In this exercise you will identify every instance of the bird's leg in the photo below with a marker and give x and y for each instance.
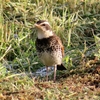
(55, 68)
(47, 73)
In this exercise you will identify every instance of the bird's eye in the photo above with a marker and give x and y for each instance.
(43, 24)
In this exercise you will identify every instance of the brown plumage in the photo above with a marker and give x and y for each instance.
(49, 47)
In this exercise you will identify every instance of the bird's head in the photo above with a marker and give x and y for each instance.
(43, 29)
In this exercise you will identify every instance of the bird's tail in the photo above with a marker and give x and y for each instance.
(61, 67)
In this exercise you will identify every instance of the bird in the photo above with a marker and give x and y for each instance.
(49, 47)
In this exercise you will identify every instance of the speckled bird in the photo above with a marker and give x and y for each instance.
(49, 47)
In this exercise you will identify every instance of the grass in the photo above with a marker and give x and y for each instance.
(76, 22)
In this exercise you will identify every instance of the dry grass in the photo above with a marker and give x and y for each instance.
(77, 84)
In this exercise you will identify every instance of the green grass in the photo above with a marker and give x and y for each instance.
(76, 22)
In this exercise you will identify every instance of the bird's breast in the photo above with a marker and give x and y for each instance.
(50, 58)
(49, 51)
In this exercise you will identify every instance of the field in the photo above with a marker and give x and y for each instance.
(77, 23)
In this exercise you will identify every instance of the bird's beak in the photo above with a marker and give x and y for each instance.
(36, 25)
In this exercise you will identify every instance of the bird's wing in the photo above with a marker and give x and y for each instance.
(61, 45)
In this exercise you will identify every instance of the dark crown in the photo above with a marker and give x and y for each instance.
(41, 21)
(46, 26)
